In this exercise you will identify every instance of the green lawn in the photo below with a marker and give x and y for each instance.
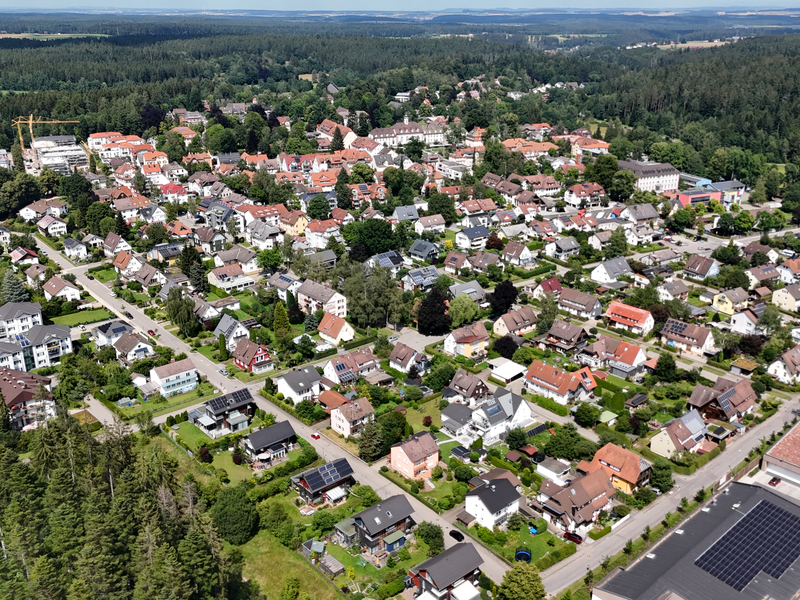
(450, 235)
(537, 544)
(366, 572)
(444, 450)
(105, 275)
(269, 564)
(429, 409)
(83, 317)
(442, 490)
(237, 473)
(200, 394)
(209, 352)
(441, 437)
(663, 417)
(192, 435)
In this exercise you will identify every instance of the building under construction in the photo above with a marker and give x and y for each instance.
(60, 153)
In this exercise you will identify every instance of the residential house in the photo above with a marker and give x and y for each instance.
(174, 378)
(673, 290)
(753, 247)
(731, 301)
(153, 214)
(564, 338)
(56, 287)
(639, 235)
(252, 357)
(232, 330)
(167, 253)
(546, 286)
(474, 238)
(492, 503)
(391, 260)
(108, 333)
(148, 275)
(584, 195)
(209, 239)
(335, 330)
(727, 400)
(329, 399)
(453, 573)
(416, 457)
(433, 224)
(640, 214)
(576, 506)
(610, 271)
(787, 298)
(661, 257)
(762, 276)
(466, 388)
(403, 358)
(23, 257)
(562, 248)
(457, 420)
(745, 322)
(311, 296)
(419, 280)
(626, 470)
(480, 261)
(26, 407)
(284, 283)
(382, 528)
(470, 341)
(40, 208)
(346, 368)
(241, 256)
(263, 235)
(700, 267)
(349, 418)
(683, 434)
(688, 338)
(75, 250)
(579, 304)
(423, 251)
(270, 443)
(293, 222)
(454, 262)
(226, 414)
(619, 357)
(472, 289)
(562, 386)
(299, 384)
(630, 318)
(51, 226)
(319, 232)
(230, 278)
(328, 483)
(41, 346)
(127, 265)
(35, 274)
(518, 254)
(516, 322)
(131, 347)
(18, 317)
(114, 244)
(499, 415)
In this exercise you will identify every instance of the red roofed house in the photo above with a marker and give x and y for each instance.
(562, 386)
(546, 286)
(334, 330)
(626, 470)
(620, 357)
(174, 193)
(468, 341)
(252, 357)
(584, 195)
(630, 318)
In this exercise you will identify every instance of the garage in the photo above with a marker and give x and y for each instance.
(785, 474)
(783, 459)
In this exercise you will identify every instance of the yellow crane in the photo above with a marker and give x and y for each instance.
(30, 122)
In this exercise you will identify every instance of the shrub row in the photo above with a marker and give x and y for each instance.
(554, 260)
(325, 353)
(619, 439)
(556, 556)
(287, 407)
(503, 464)
(361, 342)
(551, 405)
(596, 534)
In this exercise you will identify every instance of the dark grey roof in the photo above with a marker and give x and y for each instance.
(384, 514)
(114, 327)
(476, 232)
(472, 288)
(673, 568)
(459, 413)
(388, 259)
(229, 401)
(647, 168)
(496, 495)
(71, 243)
(40, 334)
(451, 565)
(12, 310)
(423, 248)
(326, 476)
(425, 276)
(227, 325)
(406, 213)
(643, 212)
(617, 267)
(323, 257)
(301, 379)
(264, 438)
(567, 244)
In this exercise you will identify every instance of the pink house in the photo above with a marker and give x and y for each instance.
(416, 457)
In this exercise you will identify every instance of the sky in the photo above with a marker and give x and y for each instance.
(384, 5)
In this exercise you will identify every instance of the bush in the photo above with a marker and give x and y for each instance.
(204, 456)
(596, 534)
(556, 556)
(551, 405)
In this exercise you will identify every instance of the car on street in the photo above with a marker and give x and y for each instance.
(43, 252)
(457, 535)
(573, 537)
(150, 332)
(83, 327)
(129, 315)
(315, 436)
(774, 481)
(90, 277)
(224, 372)
(393, 339)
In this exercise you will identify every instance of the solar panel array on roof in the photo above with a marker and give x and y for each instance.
(236, 397)
(327, 474)
(724, 400)
(536, 430)
(766, 539)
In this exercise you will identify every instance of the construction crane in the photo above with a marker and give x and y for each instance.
(30, 122)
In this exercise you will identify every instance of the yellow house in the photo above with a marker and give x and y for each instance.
(626, 470)
(470, 341)
(293, 222)
(730, 301)
(787, 298)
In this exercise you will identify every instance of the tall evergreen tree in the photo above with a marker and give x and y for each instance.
(337, 143)
(344, 197)
(432, 318)
(121, 227)
(281, 322)
(13, 288)
(198, 278)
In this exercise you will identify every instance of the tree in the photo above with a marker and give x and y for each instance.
(503, 297)
(281, 322)
(223, 348)
(505, 347)
(666, 370)
(602, 170)
(367, 495)
(270, 259)
(234, 515)
(433, 537)
(443, 204)
(180, 311)
(661, 475)
(726, 224)
(344, 197)
(189, 256)
(617, 244)
(371, 446)
(96, 213)
(156, 232)
(587, 415)
(771, 321)
(121, 228)
(547, 315)
(198, 279)
(319, 207)
(17, 193)
(431, 317)
(521, 582)
(337, 143)
(759, 194)
(725, 340)
(622, 185)
(516, 439)
(463, 309)
(744, 222)
(13, 288)
(494, 243)
(759, 258)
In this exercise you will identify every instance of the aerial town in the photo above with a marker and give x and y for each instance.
(318, 339)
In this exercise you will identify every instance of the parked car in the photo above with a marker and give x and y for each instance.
(573, 537)
(393, 339)
(151, 333)
(83, 327)
(113, 294)
(224, 371)
(129, 315)
(90, 277)
(315, 436)
(774, 481)
(457, 535)
(788, 253)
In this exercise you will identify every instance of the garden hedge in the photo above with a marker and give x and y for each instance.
(596, 534)
(556, 556)
(551, 405)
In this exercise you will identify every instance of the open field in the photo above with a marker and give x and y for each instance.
(83, 316)
(692, 45)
